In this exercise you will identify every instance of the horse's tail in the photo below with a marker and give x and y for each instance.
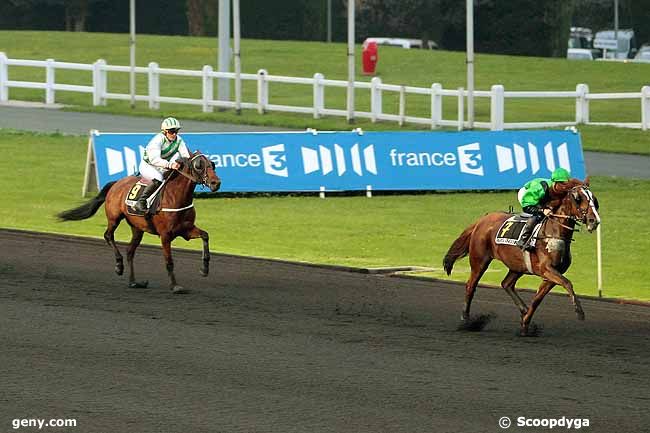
(458, 249)
(87, 209)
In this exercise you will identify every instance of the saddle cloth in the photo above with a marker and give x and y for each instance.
(510, 231)
(134, 195)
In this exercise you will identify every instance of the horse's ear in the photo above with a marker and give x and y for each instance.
(586, 182)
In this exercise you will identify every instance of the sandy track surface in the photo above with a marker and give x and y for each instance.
(261, 346)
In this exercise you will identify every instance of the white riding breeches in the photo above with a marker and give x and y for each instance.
(520, 194)
(150, 172)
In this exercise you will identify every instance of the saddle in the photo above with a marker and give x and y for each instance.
(153, 202)
(510, 231)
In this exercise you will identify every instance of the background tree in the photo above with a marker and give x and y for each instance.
(522, 27)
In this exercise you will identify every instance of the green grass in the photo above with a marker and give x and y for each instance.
(304, 59)
(42, 175)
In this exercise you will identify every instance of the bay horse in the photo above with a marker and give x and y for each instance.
(570, 203)
(175, 218)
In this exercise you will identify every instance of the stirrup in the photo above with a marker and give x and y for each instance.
(526, 246)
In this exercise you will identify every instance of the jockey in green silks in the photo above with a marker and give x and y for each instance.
(160, 156)
(533, 197)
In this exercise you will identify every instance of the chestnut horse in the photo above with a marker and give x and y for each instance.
(570, 203)
(175, 218)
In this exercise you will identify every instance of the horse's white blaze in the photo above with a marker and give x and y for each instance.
(592, 204)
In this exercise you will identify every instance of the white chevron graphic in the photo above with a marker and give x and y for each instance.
(124, 160)
(527, 158)
(322, 160)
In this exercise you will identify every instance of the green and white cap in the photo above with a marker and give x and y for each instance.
(170, 123)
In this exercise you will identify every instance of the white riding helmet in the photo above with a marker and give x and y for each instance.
(170, 123)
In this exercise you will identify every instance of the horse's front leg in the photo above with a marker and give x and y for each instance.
(166, 241)
(542, 291)
(195, 233)
(557, 278)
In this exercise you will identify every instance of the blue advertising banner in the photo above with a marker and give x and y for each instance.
(346, 161)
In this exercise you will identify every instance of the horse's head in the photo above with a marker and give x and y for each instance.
(579, 203)
(200, 170)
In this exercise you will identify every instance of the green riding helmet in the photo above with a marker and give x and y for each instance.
(170, 123)
(560, 175)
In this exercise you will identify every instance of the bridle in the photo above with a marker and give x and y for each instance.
(198, 175)
(582, 213)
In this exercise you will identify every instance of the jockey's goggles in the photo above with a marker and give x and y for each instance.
(172, 131)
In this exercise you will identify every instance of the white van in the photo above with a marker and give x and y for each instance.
(402, 42)
(625, 48)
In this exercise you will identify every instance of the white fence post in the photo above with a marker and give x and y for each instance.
(49, 81)
(402, 105)
(319, 95)
(645, 108)
(4, 77)
(208, 89)
(497, 107)
(461, 108)
(99, 82)
(154, 86)
(376, 104)
(262, 91)
(436, 105)
(582, 104)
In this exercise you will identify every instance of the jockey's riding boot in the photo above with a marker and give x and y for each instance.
(141, 204)
(526, 233)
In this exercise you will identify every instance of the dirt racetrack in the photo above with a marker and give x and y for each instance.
(262, 346)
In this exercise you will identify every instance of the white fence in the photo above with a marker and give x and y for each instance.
(497, 95)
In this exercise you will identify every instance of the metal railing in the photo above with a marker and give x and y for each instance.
(497, 95)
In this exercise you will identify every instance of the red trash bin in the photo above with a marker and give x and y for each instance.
(369, 57)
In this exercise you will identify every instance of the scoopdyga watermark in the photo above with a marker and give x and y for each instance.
(548, 423)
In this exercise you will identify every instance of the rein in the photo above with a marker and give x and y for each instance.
(191, 176)
(562, 216)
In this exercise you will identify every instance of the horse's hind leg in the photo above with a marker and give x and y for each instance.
(109, 236)
(508, 285)
(195, 233)
(478, 266)
(136, 238)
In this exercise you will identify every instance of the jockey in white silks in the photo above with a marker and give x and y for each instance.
(160, 156)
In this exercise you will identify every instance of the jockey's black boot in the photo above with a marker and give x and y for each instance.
(526, 233)
(141, 204)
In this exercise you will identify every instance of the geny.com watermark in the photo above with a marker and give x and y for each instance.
(549, 423)
(41, 423)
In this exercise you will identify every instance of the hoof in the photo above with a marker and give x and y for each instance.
(119, 269)
(204, 272)
(179, 290)
(533, 330)
(581, 315)
(138, 284)
(475, 323)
